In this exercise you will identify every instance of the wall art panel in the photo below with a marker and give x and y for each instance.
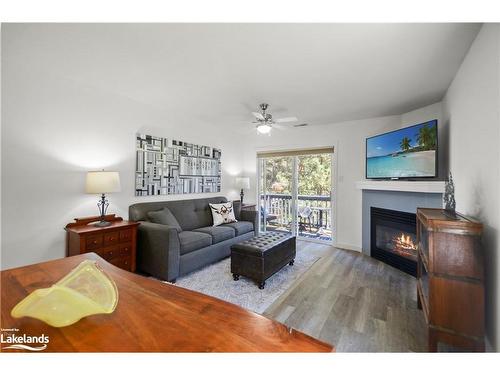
(166, 166)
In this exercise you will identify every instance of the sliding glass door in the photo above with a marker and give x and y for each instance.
(314, 196)
(276, 191)
(295, 193)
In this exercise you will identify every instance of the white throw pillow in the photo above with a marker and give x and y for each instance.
(222, 213)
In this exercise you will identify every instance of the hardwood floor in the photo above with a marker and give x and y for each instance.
(354, 302)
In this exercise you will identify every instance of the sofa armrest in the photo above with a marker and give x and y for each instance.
(158, 250)
(253, 216)
(237, 209)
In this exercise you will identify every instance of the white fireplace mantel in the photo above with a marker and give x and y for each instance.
(396, 185)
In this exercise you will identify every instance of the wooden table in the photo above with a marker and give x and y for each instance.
(151, 316)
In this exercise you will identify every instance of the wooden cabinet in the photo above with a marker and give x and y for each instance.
(115, 243)
(450, 279)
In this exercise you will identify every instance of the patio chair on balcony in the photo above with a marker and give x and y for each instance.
(305, 214)
(269, 217)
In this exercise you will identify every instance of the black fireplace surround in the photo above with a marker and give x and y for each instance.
(393, 238)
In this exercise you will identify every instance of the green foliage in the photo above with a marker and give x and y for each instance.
(314, 175)
(278, 175)
(426, 137)
(405, 144)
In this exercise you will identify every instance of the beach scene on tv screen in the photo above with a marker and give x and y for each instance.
(409, 152)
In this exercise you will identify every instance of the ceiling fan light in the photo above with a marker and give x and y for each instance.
(264, 128)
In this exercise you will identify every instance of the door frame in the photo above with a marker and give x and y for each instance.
(334, 184)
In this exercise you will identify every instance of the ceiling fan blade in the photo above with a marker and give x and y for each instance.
(279, 127)
(287, 119)
(258, 116)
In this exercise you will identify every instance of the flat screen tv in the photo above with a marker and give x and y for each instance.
(404, 153)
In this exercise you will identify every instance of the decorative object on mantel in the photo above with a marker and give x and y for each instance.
(449, 196)
(166, 166)
(242, 183)
(102, 182)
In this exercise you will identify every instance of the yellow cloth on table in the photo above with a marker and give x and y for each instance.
(85, 291)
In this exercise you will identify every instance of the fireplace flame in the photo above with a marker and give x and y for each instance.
(405, 240)
(403, 244)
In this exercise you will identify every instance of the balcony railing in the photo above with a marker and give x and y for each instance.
(314, 220)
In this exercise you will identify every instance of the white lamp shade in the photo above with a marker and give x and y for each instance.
(243, 182)
(102, 182)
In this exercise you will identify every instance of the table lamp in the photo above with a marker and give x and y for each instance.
(242, 183)
(102, 182)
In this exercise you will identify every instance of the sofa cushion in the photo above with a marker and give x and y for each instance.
(191, 241)
(222, 213)
(241, 227)
(165, 217)
(219, 234)
(190, 213)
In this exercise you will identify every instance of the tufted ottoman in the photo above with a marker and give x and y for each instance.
(262, 256)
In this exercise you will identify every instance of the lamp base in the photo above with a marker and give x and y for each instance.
(102, 223)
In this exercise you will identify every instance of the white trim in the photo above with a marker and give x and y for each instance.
(348, 247)
(334, 172)
(333, 196)
(411, 186)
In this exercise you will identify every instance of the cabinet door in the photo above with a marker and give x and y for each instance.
(423, 240)
(456, 305)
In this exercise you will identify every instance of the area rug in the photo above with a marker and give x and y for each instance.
(217, 281)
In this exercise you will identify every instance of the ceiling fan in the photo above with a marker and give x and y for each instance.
(265, 121)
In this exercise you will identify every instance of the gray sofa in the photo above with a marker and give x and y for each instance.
(169, 251)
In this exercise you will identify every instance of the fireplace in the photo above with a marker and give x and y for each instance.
(393, 238)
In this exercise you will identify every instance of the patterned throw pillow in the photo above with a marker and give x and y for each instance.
(222, 213)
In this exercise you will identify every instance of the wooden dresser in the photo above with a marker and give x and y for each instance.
(115, 243)
(450, 279)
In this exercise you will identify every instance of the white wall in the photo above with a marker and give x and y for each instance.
(349, 141)
(472, 108)
(431, 112)
(53, 131)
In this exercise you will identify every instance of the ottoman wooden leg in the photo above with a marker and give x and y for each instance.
(236, 277)
(262, 285)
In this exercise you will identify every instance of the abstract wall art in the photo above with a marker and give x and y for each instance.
(166, 166)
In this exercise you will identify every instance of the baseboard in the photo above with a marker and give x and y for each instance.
(348, 247)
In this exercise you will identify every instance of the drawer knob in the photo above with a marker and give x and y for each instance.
(94, 242)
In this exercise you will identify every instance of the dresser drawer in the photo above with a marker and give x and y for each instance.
(125, 235)
(93, 241)
(116, 243)
(108, 253)
(111, 238)
(124, 263)
(125, 249)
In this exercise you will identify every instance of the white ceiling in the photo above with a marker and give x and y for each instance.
(218, 73)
